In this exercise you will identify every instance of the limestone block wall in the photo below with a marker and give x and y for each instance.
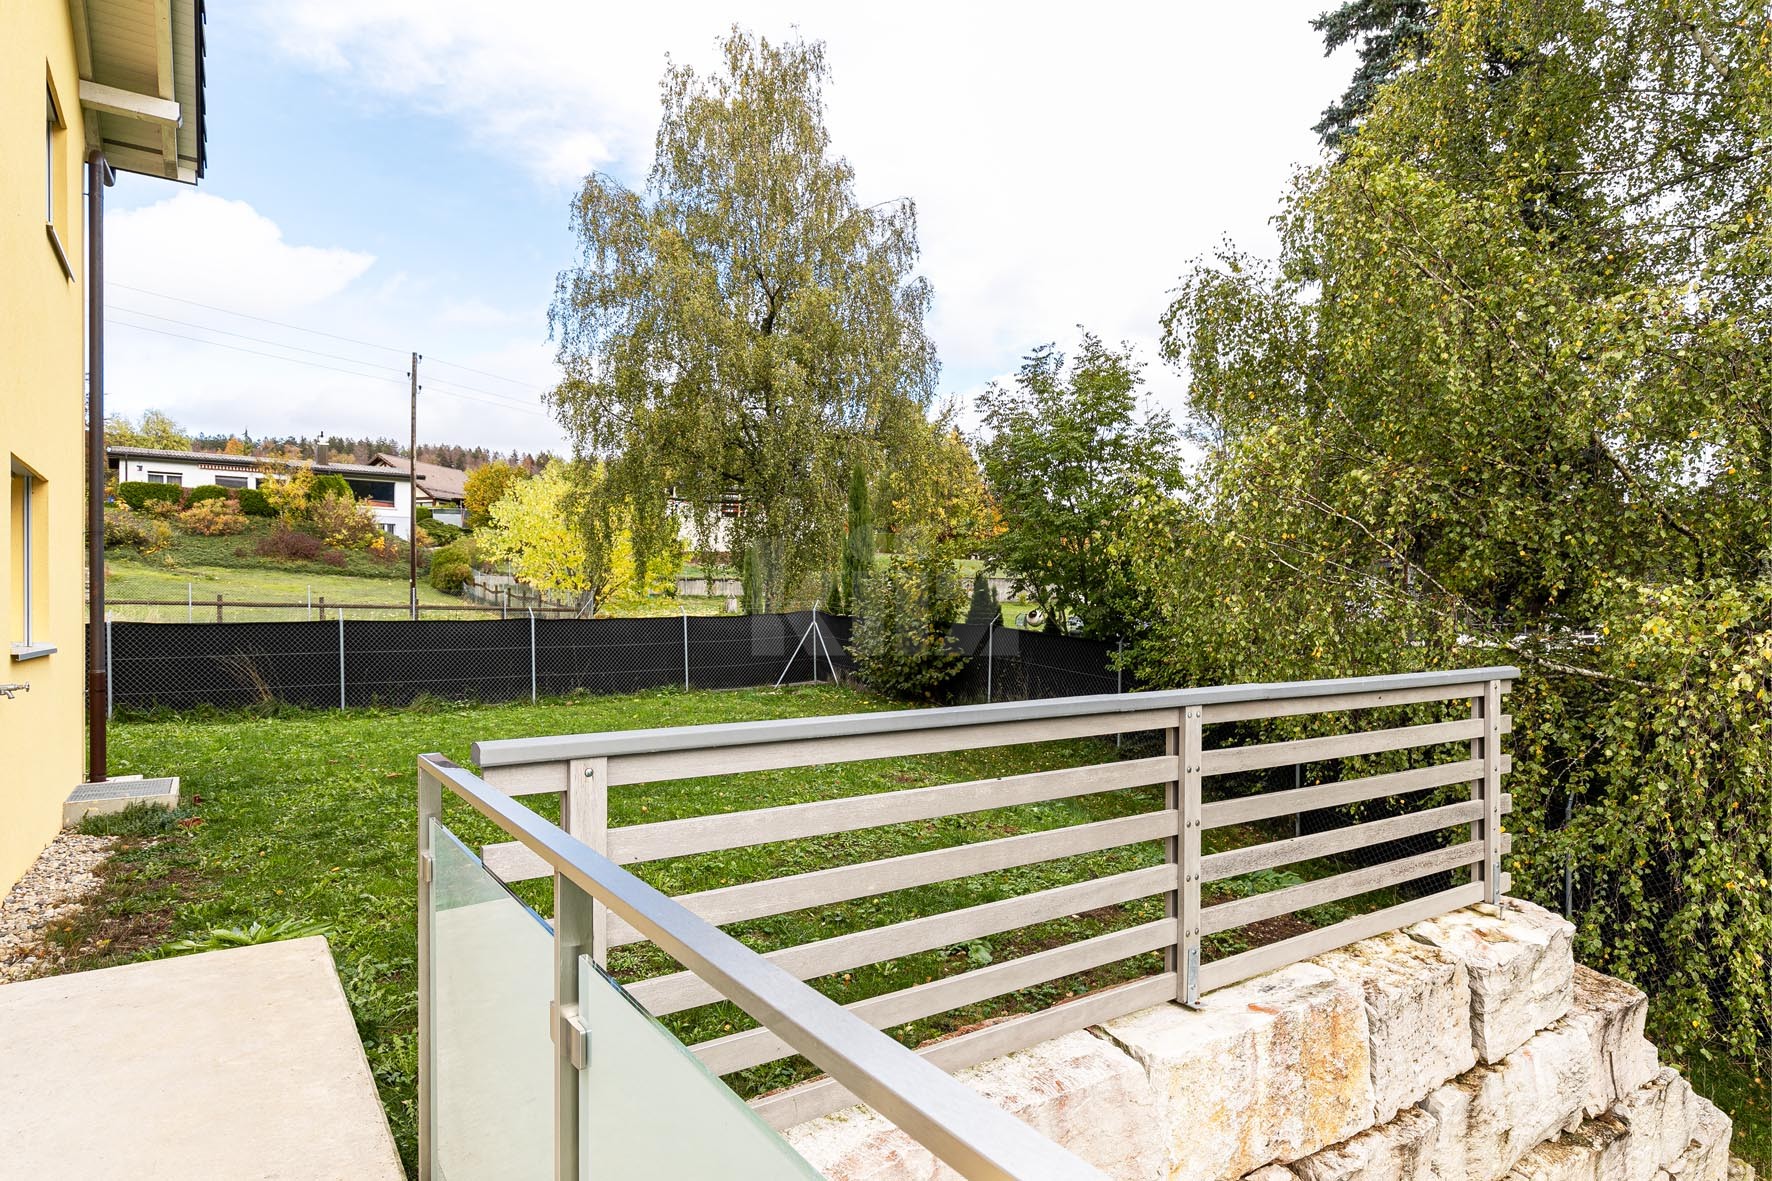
(1468, 1048)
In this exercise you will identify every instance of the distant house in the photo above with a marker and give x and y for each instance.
(441, 489)
(385, 492)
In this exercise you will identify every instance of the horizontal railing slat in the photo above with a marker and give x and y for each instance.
(811, 1100)
(663, 995)
(1225, 760)
(1293, 899)
(1218, 973)
(753, 1047)
(734, 830)
(1291, 707)
(1244, 809)
(1218, 866)
(512, 751)
(821, 887)
(810, 752)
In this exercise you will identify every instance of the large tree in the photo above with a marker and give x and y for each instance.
(1068, 457)
(745, 324)
(1507, 396)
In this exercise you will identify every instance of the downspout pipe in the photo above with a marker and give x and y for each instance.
(99, 177)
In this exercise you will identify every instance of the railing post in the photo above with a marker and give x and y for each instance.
(1489, 708)
(584, 812)
(1189, 927)
(573, 939)
(430, 806)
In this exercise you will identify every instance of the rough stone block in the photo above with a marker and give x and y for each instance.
(1418, 1016)
(1269, 1070)
(1077, 1090)
(1520, 962)
(1613, 1013)
(1662, 1116)
(1706, 1157)
(1594, 1151)
(1492, 1116)
(1400, 1150)
(1282, 1173)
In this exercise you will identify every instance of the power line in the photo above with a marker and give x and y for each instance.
(484, 373)
(368, 344)
(504, 403)
(257, 339)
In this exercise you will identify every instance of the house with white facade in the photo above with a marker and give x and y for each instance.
(385, 491)
(443, 490)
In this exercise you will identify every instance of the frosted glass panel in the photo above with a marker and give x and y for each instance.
(492, 978)
(648, 1108)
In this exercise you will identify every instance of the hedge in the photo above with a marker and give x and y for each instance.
(139, 494)
(203, 492)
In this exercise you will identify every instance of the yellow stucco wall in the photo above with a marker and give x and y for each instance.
(42, 367)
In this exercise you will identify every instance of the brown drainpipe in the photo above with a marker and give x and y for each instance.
(99, 177)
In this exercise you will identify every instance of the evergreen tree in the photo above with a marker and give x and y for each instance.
(858, 546)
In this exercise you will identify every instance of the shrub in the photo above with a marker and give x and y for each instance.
(129, 530)
(901, 642)
(341, 521)
(213, 518)
(255, 503)
(139, 494)
(333, 557)
(289, 544)
(425, 512)
(442, 532)
(203, 492)
(453, 565)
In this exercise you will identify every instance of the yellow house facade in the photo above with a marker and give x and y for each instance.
(124, 77)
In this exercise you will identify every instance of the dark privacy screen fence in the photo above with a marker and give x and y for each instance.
(392, 661)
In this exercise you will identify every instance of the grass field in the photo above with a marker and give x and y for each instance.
(128, 579)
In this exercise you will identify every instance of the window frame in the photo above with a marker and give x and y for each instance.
(29, 645)
(176, 479)
(55, 127)
(233, 481)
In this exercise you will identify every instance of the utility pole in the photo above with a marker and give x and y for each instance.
(412, 498)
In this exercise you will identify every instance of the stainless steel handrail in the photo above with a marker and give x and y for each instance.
(509, 752)
(973, 1136)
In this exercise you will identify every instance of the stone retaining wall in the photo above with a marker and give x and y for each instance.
(1468, 1048)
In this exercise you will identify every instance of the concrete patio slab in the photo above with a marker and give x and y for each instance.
(242, 1063)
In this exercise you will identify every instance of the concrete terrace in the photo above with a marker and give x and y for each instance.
(237, 1063)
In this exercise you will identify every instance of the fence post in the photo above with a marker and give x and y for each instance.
(322, 608)
(815, 643)
(532, 695)
(1188, 984)
(218, 608)
(1490, 706)
(110, 685)
(990, 657)
(190, 604)
(686, 645)
(311, 602)
(341, 657)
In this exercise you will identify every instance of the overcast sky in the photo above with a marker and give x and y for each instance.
(390, 176)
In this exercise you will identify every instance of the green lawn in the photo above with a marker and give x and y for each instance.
(130, 579)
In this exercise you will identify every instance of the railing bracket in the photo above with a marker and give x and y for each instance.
(570, 1032)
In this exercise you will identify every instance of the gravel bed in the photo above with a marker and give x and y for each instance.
(51, 890)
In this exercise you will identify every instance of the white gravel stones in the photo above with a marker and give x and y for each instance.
(51, 891)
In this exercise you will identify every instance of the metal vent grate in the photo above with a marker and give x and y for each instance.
(124, 789)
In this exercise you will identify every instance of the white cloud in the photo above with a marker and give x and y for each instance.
(1066, 166)
(224, 324)
(195, 245)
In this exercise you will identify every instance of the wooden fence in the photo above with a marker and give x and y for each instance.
(1460, 838)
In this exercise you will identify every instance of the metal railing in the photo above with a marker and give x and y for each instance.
(976, 1138)
(1424, 844)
